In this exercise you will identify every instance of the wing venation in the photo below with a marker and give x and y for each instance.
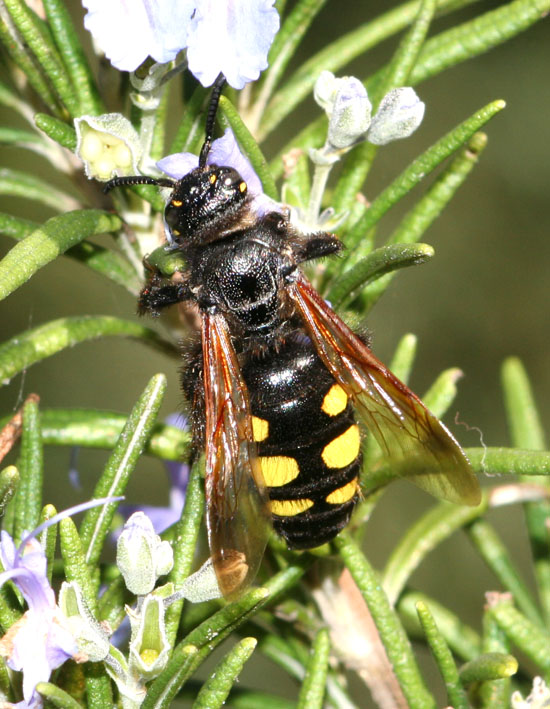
(418, 446)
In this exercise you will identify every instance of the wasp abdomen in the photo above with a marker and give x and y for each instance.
(308, 443)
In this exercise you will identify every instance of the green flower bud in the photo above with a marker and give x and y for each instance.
(149, 648)
(202, 585)
(141, 555)
(91, 637)
(347, 106)
(398, 116)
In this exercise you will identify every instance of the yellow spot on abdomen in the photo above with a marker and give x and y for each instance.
(279, 470)
(335, 401)
(242, 187)
(343, 494)
(176, 203)
(289, 508)
(260, 429)
(342, 450)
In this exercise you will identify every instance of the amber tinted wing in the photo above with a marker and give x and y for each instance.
(416, 443)
(236, 509)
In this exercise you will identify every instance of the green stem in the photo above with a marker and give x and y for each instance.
(186, 533)
(494, 693)
(96, 524)
(286, 42)
(497, 558)
(230, 117)
(38, 38)
(340, 53)
(461, 638)
(527, 432)
(74, 59)
(443, 657)
(425, 535)
(391, 631)
(313, 688)
(428, 208)
(216, 689)
(28, 502)
(53, 238)
(417, 171)
(528, 637)
(34, 345)
(357, 166)
(26, 62)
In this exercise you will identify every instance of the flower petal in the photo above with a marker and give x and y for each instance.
(40, 645)
(178, 165)
(226, 151)
(31, 575)
(129, 31)
(231, 37)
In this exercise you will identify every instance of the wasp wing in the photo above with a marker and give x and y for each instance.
(236, 501)
(416, 443)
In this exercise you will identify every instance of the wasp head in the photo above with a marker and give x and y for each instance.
(205, 204)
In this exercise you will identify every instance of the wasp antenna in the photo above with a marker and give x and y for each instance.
(138, 180)
(211, 118)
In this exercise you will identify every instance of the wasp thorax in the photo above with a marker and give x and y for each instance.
(206, 199)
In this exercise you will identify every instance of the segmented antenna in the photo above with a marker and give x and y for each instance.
(138, 180)
(211, 118)
(208, 136)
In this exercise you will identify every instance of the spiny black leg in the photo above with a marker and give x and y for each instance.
(317, 246)
(159, 294)
(211, 119)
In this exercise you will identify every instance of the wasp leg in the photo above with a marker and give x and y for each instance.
(159, 293)
(317, 246)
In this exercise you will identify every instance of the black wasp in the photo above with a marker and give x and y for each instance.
(275, 379)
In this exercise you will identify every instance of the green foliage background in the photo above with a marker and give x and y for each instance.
(484, 297)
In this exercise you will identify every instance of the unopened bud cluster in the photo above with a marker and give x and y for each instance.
(349, 110)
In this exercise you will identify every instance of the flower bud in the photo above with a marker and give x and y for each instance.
(537, 699)
(149, 647)
(202, 585)
(141, 555)
(398, 116)
(91, 637)
(347, 106)
(108, 145)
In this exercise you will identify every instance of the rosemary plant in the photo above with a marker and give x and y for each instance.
(84, 626)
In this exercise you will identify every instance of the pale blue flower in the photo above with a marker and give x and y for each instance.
(232, 37)
(41, 640)
(228, 36)
(129, 31)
